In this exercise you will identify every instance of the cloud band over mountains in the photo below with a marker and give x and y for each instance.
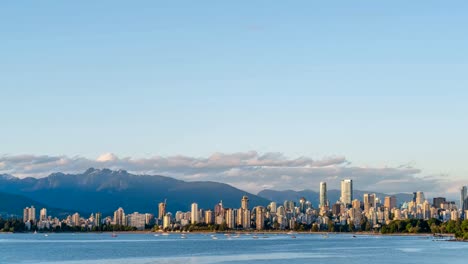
(250, 171)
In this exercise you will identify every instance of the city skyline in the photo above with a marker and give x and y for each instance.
(256, 95)
(376, 211)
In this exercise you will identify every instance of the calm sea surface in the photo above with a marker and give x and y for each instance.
(197, 248)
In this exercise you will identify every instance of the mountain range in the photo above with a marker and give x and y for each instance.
(104, 190)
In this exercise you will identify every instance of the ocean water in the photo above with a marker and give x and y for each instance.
(200, 248)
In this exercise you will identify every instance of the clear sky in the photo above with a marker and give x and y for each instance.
(382, 84)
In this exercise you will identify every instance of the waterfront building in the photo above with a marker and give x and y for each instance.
(346, 191)
(323, 194)
(194, 214)
(259, 218)
(161, 210)
(167, 221)
(230, 218)
(75, 219)
(136, 220)
(43, 214)
(208, 217)
(29, 214)
(149, 219)
(219, 209)
(245, 203)
(119, 217)
(98, 219)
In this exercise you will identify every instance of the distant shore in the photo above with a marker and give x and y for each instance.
(253, 232)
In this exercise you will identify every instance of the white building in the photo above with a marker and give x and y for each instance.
(346, 191)
(194, 214)
(137, 220)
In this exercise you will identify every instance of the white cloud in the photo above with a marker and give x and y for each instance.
(250, 171)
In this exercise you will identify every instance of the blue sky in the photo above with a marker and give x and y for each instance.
(382, 84)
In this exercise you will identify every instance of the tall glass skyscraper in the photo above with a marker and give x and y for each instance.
(323, 194)
(463, 204)
(346, 191)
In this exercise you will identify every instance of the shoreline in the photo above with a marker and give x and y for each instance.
(253, 232)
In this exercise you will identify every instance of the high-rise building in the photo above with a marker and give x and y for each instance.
(119, 217)
(162, 210)
(463, 196)
(346, 191)
(420, 198)
(390, 202)
(272, 207)
(437, 201)
(32, 214)
(26, 214)
(245, 203)
(219, 209)
(98, 219)
(302, 204)
(356, 204)
(194, 214)
(76, 219)
(29, 214)
(136, 220)
(259, 218)
(209, 217)
(246, 219)
(167, 221)
(323, 194)
(230, 218)
(336, 209)
(426, 210)
(369, 201)
(43, 214)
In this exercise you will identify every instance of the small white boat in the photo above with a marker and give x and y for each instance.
(46, 235)
(165, 234)
(255, 237)
(213, 237)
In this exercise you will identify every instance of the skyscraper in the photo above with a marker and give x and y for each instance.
(463, 196)
(420, 198)
(76, 219)
(346, 191)
(162, 210)
(119, 217)
(98, 219)
(323, 194)
(369, 201)
(194, 214)
(272, 207)
(259, 218)
(390, 202)
(43, 214)
(302, 204)
(208, 217)
(245, 203)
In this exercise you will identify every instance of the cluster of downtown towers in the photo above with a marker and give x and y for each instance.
(346, 211)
